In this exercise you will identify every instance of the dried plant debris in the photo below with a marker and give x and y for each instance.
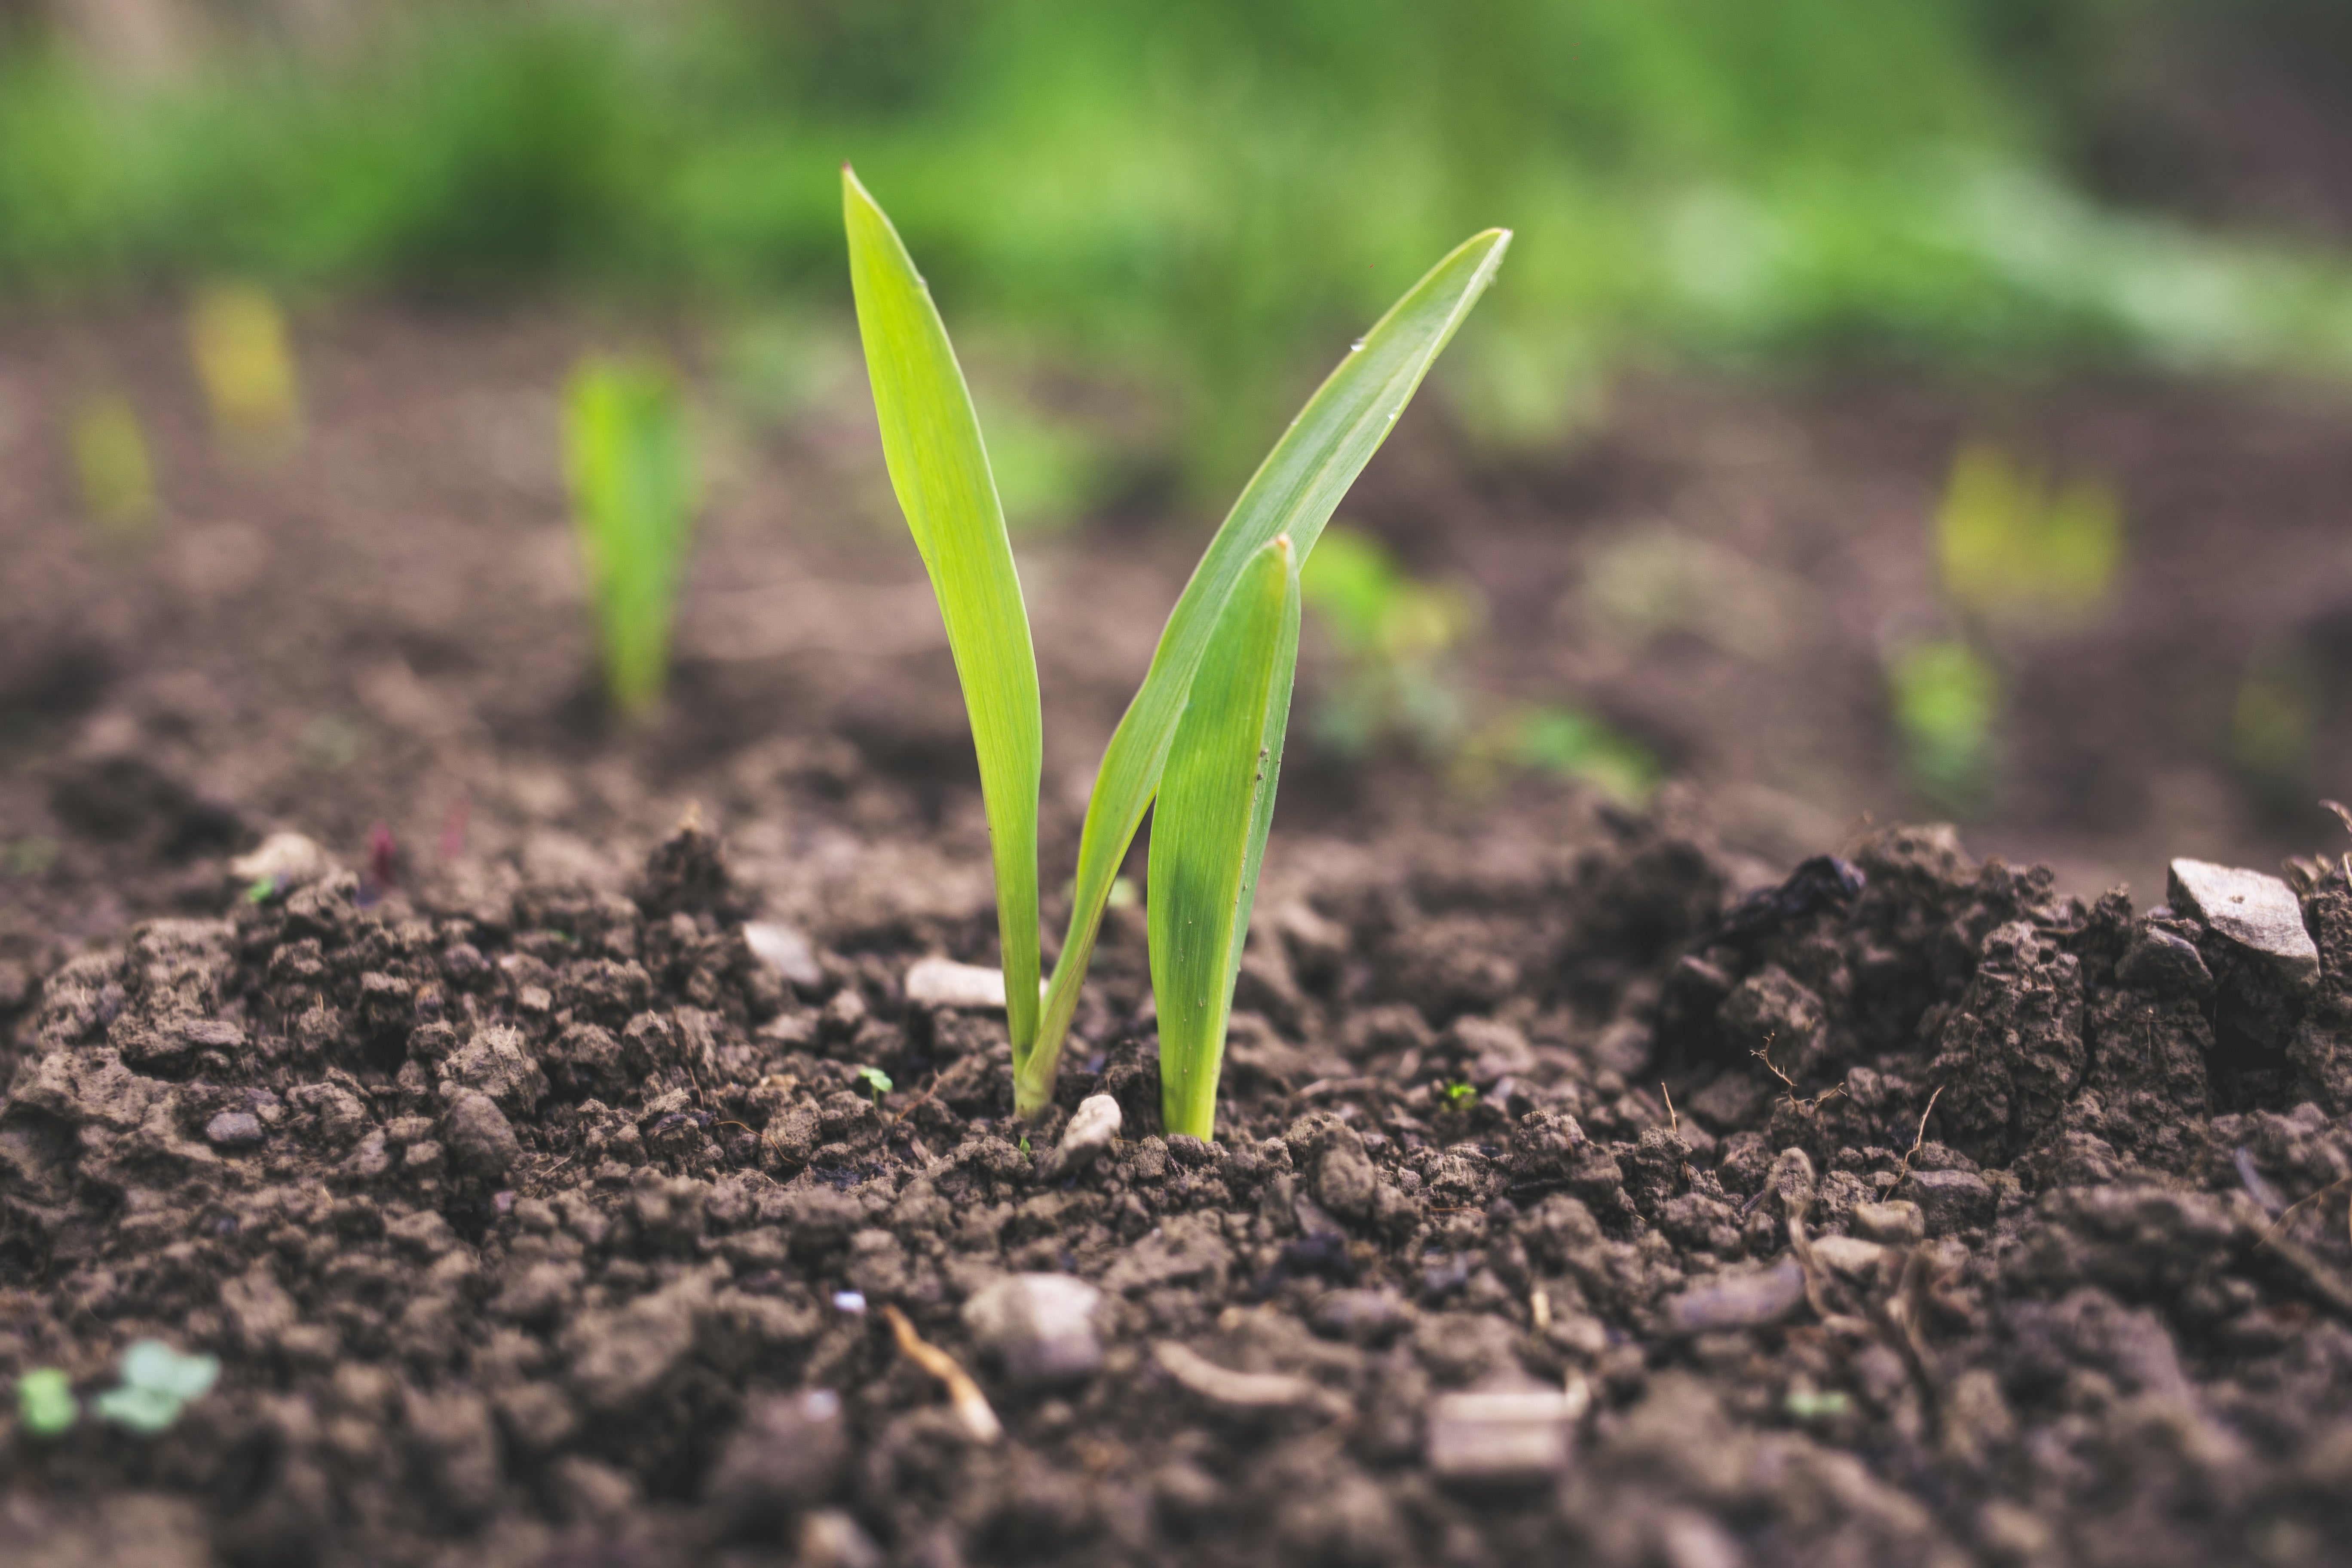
(519, 1227)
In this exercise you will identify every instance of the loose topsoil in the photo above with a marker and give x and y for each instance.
(550, 1221)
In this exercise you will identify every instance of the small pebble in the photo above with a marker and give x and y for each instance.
(785, 950)
(1744, 1298)
(1093, 1127)
(1362, 1317)
(1040, 1326)
(2254, 911)
(851, 1301)
(234, 1130)
(1499, 1436)
(1895, 1224)
(1952, 1201)
(942, 982)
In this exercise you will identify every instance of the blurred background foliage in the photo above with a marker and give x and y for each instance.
(1206, 200)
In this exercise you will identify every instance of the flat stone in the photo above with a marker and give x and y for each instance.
(1952, 1201)
(1363, 1317)
(1039, 1327)
(1897, 1223)
(943, 983)
(1742, 1298)
(234, 1130)
(284, 860)
(1500, 1436)
(1850, 1255)
(2158, 961)
(2258, 912)
(786, 950)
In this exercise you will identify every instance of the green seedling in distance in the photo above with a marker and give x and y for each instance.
(1946, 700)
(158, 1384)
(2010, 542)
(245, 363)
(113, 471)
(46, 1403)
(1223, 741)
(627, 458)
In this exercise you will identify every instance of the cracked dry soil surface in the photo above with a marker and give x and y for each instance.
(534, 1224)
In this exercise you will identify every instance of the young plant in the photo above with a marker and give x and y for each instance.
(1211, 713)
(631, 473)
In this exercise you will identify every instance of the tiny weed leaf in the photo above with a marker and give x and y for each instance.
(45, 1400)
(939, 466)
(627, 456)
(876, 1079)
(1208, 830)
(158, 1382)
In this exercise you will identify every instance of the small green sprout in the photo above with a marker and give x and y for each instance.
(627, 457)
(1025, 1152)
(875, 1080)
(1946, 700)
(261, 890)
(2010, 542)
(158, 1382)
(1459, 1096)
(245, 363)
(113, 471)
(1807, 1403)
(1203, 733)
(46, 1403)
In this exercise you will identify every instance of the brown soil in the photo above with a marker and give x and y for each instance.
(517, 1195)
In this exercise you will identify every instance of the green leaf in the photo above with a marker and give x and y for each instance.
(1208, 831)
(627, 459)
(931, 438)
(1294, 492)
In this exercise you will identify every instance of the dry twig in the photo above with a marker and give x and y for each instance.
(970, 1404)
(1763, 1054)
(1919, 1142)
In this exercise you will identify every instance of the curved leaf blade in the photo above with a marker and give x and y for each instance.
(1294, 492)
(1208, 831)
(939, 467)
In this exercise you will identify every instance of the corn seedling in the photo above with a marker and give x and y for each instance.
(112, 471)
(631, 473)
(1203, 733)
(245, 364)
(2010, 542)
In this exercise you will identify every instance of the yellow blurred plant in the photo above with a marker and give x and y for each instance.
(113, 475)
(2011, 540)
(245, 364)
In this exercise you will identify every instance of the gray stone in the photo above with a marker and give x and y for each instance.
(942, 982)
(791, 1452)
(1897, 1223)
(1362, 1317)
(1741, 1298)
(1499, 1436)
(495, 1062)
(1092, 1127)
(284, 860)
(1039, 1327)
(2164, 964)
(2258, 912)
(234, 1130)
(1952, 1201)
(786, 950)
(478, 1137)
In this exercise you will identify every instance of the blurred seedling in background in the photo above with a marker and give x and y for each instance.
(46, 1406)
(1565, 742)
(245, 364)
(2014, 543)
(2274, 721)
(158, 1384)
(113, 474)
(2014, 546)
(628, 460)
(1394, 636)
(1946, 700)
(1201, 745)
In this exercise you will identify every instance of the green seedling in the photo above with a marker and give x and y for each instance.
(627, 459)
(1946, 701)
(2010, 541)
(112, 471)
(245, 364)
(1459, 1096)
(1211, 713)
(45, 1402)
(158, 1384)
(1392, 634)
(875, 1080)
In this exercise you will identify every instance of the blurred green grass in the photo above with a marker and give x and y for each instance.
(1208, 199)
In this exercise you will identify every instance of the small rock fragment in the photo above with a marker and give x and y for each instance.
(831, 1539)
(1362, 1317)
(784, 950)
(1741, 1299)
(943, 983)
(1952, 1201)
(1897, 1223)
(1040, 1326)
(2159, 962)
(1849, 1255)
(1092, 1127)
(1498, 1438)
(234, 1130)
(478, 1137)
(2256, 912)
(284, 860)
(789, 1453)
(496, 1062)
